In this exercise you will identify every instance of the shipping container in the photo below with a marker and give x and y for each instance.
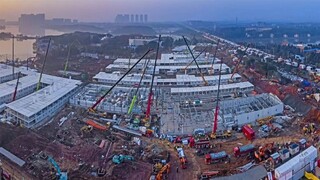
(284, 154)
(294, 149)
(215, 157)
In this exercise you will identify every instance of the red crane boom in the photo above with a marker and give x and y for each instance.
(151, 92)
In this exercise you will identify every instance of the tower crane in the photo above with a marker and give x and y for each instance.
(134, 99)
(194, 59)
(93, 107)
(151, 86)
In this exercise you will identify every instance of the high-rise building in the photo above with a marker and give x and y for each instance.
(141, 18)
(137, 18)
(146, 18)
(32, 24)
(132, 18)
(122, 18)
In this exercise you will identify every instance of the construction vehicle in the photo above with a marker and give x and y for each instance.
(199, 144)
(310, 176)
(216, 157)
(147, 117)
(248, 132)
(134, 99)
(264, 152)
(164, 169)
(60, 175)
(208, 174)
(309, 128)
(221, 134)
(86, 129)
(238, 64)
(118, 159)
(182, 157)
(92, 109)
(265, 120)
(244, 150)
(194, 59)
(216, 112)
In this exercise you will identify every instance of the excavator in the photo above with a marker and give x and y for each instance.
(92, 109)
(61, 175)
(264, 152)
(164, 169)
(309, 128)
(265, 120)
(238, 64)
(118, 159)
(194, 59)
(86, 129)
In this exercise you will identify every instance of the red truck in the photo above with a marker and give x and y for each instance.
(248, 132)
(243, 150)
(216, 157)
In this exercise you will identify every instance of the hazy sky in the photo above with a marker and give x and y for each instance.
(167, 10)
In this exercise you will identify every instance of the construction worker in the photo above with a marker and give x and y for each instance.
(177, 169)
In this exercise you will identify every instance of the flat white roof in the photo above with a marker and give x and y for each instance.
(239, 85)
(5, 70)
(9, 87)
(12, 157)
(35, 102)
(202, 66)
(147, 78)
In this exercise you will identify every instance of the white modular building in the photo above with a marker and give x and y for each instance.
(247, 110)
(6, 73)
(225, 89)
(180, 80)
(295, 168)
(36, 108)
(164, 69)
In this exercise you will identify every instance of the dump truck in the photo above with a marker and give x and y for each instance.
(182, 157)
(243, 150)
(216, 157)
(248, 132)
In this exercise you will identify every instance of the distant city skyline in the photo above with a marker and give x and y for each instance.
(167, 10)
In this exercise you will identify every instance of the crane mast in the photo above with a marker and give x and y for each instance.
(134, 99)
(92, 108)
(151, 92)
(194, 59)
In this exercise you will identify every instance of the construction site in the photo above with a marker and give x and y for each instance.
(180, 115)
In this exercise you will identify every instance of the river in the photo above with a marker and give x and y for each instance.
(23, 49)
